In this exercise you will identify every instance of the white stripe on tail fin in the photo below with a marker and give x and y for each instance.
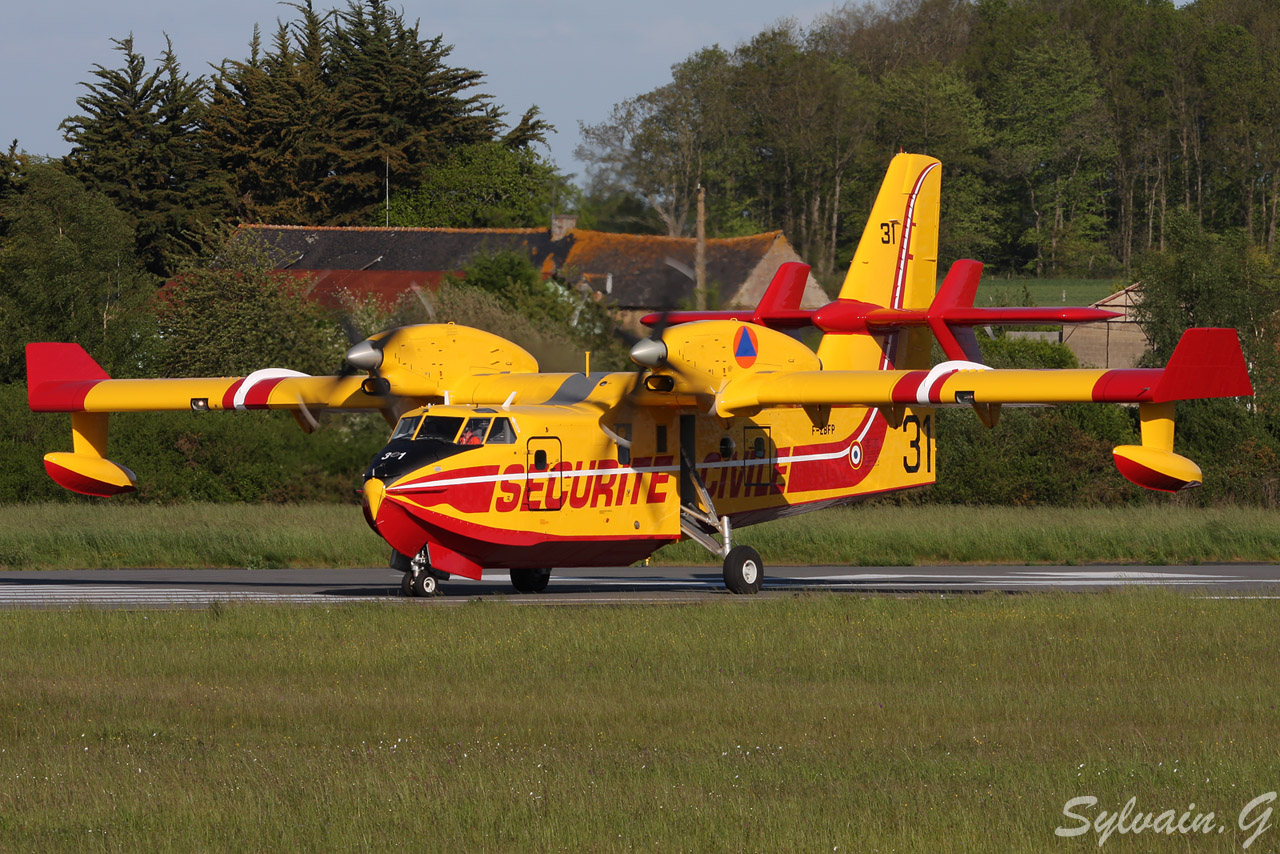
(895, 266)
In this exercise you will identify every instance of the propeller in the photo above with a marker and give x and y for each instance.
(367, 355)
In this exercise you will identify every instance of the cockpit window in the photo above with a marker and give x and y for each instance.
(473, 433)
(443, 428)
(404, 429)
(501, 433)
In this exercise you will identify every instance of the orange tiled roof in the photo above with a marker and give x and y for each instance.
(638, 271)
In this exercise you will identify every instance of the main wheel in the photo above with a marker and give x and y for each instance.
(530, 580)
(743, 570)
(425, 584)
(406, 584)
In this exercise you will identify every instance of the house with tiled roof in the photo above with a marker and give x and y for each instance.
(637, 273)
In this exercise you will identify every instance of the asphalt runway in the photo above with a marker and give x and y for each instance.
(200, 588)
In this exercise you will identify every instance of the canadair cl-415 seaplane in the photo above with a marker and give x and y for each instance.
(728, 422)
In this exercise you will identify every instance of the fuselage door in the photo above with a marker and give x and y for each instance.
(545, 490)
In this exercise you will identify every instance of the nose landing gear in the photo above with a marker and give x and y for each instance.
(419, 578)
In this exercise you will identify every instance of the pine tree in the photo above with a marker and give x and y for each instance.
(402, 109)
(135, 142)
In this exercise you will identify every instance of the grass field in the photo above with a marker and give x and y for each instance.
(812, 723)
(76, 535)
(1047, 292)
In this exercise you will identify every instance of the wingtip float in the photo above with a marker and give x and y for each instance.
(728, 422)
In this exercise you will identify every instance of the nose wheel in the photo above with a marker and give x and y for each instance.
(419, 578)
(424, 584)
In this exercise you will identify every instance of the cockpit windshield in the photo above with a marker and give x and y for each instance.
(406, 427)
(501, 433)
(445, 428)
(474, 432)
(441, 427)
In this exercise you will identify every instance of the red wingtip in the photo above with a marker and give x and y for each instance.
(1206, 363)
(59, 376)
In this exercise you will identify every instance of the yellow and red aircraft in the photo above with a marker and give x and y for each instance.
(729, 421)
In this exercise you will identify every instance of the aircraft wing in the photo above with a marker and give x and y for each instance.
(1206, 363)
(64, 378)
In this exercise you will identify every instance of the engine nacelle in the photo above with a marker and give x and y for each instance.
(699, 358)
(424, 360)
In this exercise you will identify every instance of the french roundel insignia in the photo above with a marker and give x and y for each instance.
(745, 347)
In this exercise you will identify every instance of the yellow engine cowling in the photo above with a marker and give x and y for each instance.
(700, 358)
(426, 359)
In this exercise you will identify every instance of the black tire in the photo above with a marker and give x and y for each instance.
(743, 570)
(425, 584)
(530, 580)
(406, 584)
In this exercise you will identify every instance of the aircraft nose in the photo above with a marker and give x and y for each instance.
(374, 491)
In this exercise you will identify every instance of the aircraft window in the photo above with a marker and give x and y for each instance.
(726, 448)
(406, 426)
(540, 461)
(473, 433)
(501, 433)
(661, 439)
(439, 427)
(758, 448)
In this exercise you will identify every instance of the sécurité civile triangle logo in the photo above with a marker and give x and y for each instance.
(745, 347)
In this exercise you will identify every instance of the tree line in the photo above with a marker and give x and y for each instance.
(1070, 130)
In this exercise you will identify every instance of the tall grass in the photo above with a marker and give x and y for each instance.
(58, 536)
(799, 724)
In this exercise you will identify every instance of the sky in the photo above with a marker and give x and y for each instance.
(574, 59)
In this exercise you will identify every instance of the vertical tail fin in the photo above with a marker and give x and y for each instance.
(895, 266)
(780, 305)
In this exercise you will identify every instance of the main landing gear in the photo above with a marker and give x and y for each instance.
(743, 568)
(419, 578)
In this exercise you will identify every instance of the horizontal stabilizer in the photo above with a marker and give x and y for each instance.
(950, 316)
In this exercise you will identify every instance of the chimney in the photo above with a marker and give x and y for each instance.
(562, 224)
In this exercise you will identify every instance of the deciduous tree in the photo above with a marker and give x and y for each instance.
(68, 273)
